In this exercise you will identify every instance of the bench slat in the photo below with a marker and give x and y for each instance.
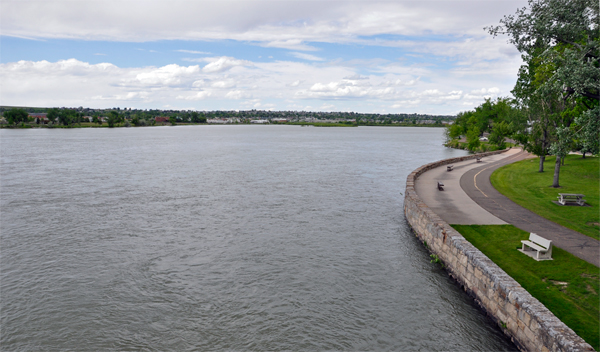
(534, 246)
(539, 240)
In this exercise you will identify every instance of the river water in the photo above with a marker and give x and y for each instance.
(223, 238)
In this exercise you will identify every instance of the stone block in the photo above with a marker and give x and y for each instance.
(534, 326)
(510, 309)
(530, 335)
(524, 317)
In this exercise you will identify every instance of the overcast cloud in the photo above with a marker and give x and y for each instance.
(406, 56)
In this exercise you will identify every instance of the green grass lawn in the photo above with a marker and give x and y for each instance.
(524, 185)
(567, 285)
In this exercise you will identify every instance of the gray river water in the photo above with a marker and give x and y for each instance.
(223, 238)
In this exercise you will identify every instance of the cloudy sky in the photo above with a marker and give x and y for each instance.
(328, 55)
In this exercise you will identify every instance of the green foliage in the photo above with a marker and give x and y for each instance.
(435, 259)
(113, 118)
(455, 131)
(588, 125)
(499, 118)
(16, 116)
(473, 138)
(67, 117)
(530, 189)
(567, 286)
(499, 133)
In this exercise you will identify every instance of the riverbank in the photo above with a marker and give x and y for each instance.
(529, 323)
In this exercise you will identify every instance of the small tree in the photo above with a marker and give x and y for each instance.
(53, 115)
(499, 132)
(113, 118)
(16, 116)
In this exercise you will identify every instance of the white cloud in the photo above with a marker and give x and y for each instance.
(482, 91)
(223, 63)
(193, 52)
(291, 44)
(305, 56)
(223, 84)
(284, 24)
(167, 75)
(238, 94)
(232, 82)
(198, 96)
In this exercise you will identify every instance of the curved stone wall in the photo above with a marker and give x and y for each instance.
(531, 326)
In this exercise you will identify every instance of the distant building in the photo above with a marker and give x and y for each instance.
(219, 121)
(259, 121)
(161, 119)
(42, 117)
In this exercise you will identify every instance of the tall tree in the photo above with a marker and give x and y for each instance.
(567, 31)
(561, 38)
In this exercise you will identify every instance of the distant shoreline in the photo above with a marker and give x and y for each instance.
(121, 125)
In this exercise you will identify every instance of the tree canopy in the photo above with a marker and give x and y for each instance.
(556, 99)
(16, 116)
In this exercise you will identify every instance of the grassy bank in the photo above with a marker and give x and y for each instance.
(567, 285)
(524, 185)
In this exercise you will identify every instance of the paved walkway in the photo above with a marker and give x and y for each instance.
(476, 183)
(470, 199)
(453, 205)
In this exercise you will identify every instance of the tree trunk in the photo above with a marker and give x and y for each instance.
(556, 172)
(584, 155)
(543, 156)
(542, 159)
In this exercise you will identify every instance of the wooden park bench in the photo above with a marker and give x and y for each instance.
(564, 198)
(440, 186)
(450, 167)
(537, 247)
(478, 158)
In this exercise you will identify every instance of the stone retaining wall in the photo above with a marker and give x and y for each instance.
(531, 326)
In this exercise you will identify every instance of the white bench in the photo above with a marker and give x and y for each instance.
(537, 247)
(564, 198)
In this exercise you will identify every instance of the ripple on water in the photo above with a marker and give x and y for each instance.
(223, 238)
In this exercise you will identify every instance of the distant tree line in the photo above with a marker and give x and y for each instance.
(137, 117)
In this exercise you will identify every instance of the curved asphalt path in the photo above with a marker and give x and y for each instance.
(476, 183)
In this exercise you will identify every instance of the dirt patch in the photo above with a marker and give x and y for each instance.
(591, 290)
(559, 283)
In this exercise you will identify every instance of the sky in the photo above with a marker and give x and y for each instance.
(367, 56)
